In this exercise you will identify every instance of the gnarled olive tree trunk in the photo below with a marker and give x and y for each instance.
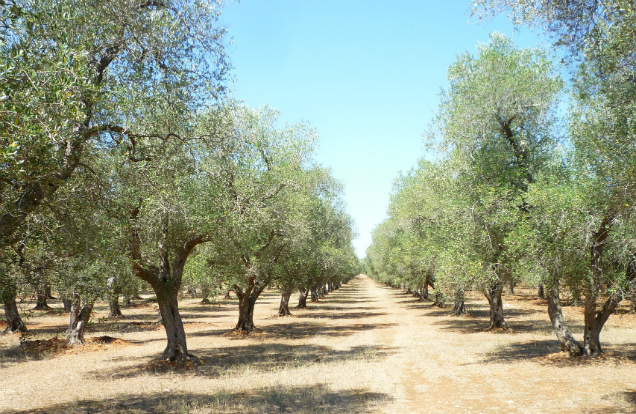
(439, 300)
(80, 315)
(459, 308)
(593, 319)
(302, 299)
(247, 300)
(67, 302)
(11, 314)
(423, 292)
(283, 309)
(541, 292)
(41, 303)
(113, 299)
(166, 282)
(114, 308)
(493, 294)
(568, 343)
(176, 348)
(125, 299)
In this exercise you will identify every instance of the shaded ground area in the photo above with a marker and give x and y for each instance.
(271, 400)
(365, 348)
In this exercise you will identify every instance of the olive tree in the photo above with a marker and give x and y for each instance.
(261, 171)
(496, 119)
(75, 75)
(598, 36)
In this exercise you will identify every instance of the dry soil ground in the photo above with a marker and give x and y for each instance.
(364, 348)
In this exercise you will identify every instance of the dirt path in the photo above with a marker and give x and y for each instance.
(364, 348)
(449, 364)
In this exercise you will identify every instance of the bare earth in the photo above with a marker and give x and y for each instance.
(364, 348)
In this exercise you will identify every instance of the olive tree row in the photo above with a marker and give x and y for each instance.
(519, 206)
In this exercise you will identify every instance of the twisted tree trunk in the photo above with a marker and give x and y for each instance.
(166, 282)
(302, 299)
(12, 315)
(283, 309)
(80, 315)
(568, 343)
(493, 294)
(113, 305)
(176, 349)
(541, 292)
(439, 300)
(125, 299)
(246, 314)
(67, 302)
(42, 298)
(594, 320)
(459, 308)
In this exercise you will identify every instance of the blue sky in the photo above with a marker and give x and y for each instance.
(366, 74)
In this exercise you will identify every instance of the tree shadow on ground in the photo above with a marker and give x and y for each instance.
(297, 330)
(521, 351)
(237, 360)
(477, 320)
(626, 403)
(548, 352)
(47, 349)
(307, 399)
(341, 315)
(325, 307)
(207, 308)
(341, 300)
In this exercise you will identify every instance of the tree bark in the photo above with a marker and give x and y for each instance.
(493, 294)
(283, 309)
(206, 291)
(192, 291)
(541, 292)
(247, 300)
(246, 313)
(314, 295)
(80, 316)
(322, 292)
(67, 302)
(594, 320)
(42, 297)
(459, 307)
(166, 282)
(125, 299)
(439, 300)
(176, 349)
(12, 315)
(424, 292)
(113, 305)
(568, 343)
(302, 299)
